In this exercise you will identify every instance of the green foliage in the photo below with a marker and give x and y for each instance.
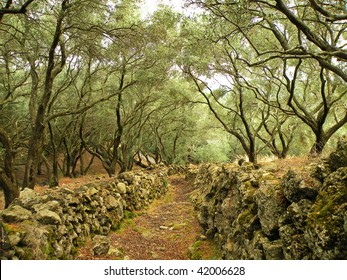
(230, 80)
(129, 215)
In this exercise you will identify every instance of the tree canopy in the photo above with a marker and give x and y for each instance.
(98, 80)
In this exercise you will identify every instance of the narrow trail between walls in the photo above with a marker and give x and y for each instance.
(167, 230)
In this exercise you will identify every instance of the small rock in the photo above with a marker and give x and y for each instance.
(26, 195)
(203, 237)
(16, 213)
(127, 176)
(273, 250)
(91, 191)
(111, 203)
(48, 217)
(101, 245)
(121, 188)
(66, 191)
(163, 227)
(50, 205)
(14, 239)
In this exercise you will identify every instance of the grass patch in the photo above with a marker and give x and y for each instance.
(167, 198)
(129, 215)
(204, 250)
(194, 252)
(127, 222)
(166, 182)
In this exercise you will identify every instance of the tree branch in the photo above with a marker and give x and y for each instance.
(8, 10)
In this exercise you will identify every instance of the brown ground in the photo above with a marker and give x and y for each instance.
(164, 231)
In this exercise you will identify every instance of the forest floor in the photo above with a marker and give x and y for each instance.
(166, 230)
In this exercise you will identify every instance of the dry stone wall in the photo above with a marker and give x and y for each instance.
(53, 225)
(253, 214)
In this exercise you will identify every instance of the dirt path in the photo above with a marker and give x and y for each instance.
(164, 231)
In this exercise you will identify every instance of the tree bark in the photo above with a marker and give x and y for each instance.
(37, 138)
(319, 144)
(8, 178)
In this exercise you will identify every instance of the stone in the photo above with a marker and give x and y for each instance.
(112, 203)
(163, 227)
(294, 243)
(50, 205)
(51, 226)
(36, 241)
(203, 216)
(47, 217)
(101, 245)
(321, 171)
(296, 189)
(203, 237)
(248, 221)
(66, 191)
(338, 158)
(14, 239)
(325, 232)
(26, 195)
(271, 205)
(127, 176)
(58, 250)
(16, 213)
(273, 250)
(298, 213)
(247, 192)
(91, 191)
(121, 188)
(256, 251)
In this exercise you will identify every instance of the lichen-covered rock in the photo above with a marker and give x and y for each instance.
(128, 177)
(271, 205)
(27, 195)
(111, 202)
(253, 214)
(338, 158)
(50, 205)
(48, 217)
(295, 246)
(295, 188)
(326, 232)
(298, 213)
(114, 252)
(16, 213)
(273, 250)
(101, 245)
(14, 238)
(121, 188)
(62, 219)
(35, 241)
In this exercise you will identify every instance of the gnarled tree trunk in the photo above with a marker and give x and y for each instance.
(7, 176)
